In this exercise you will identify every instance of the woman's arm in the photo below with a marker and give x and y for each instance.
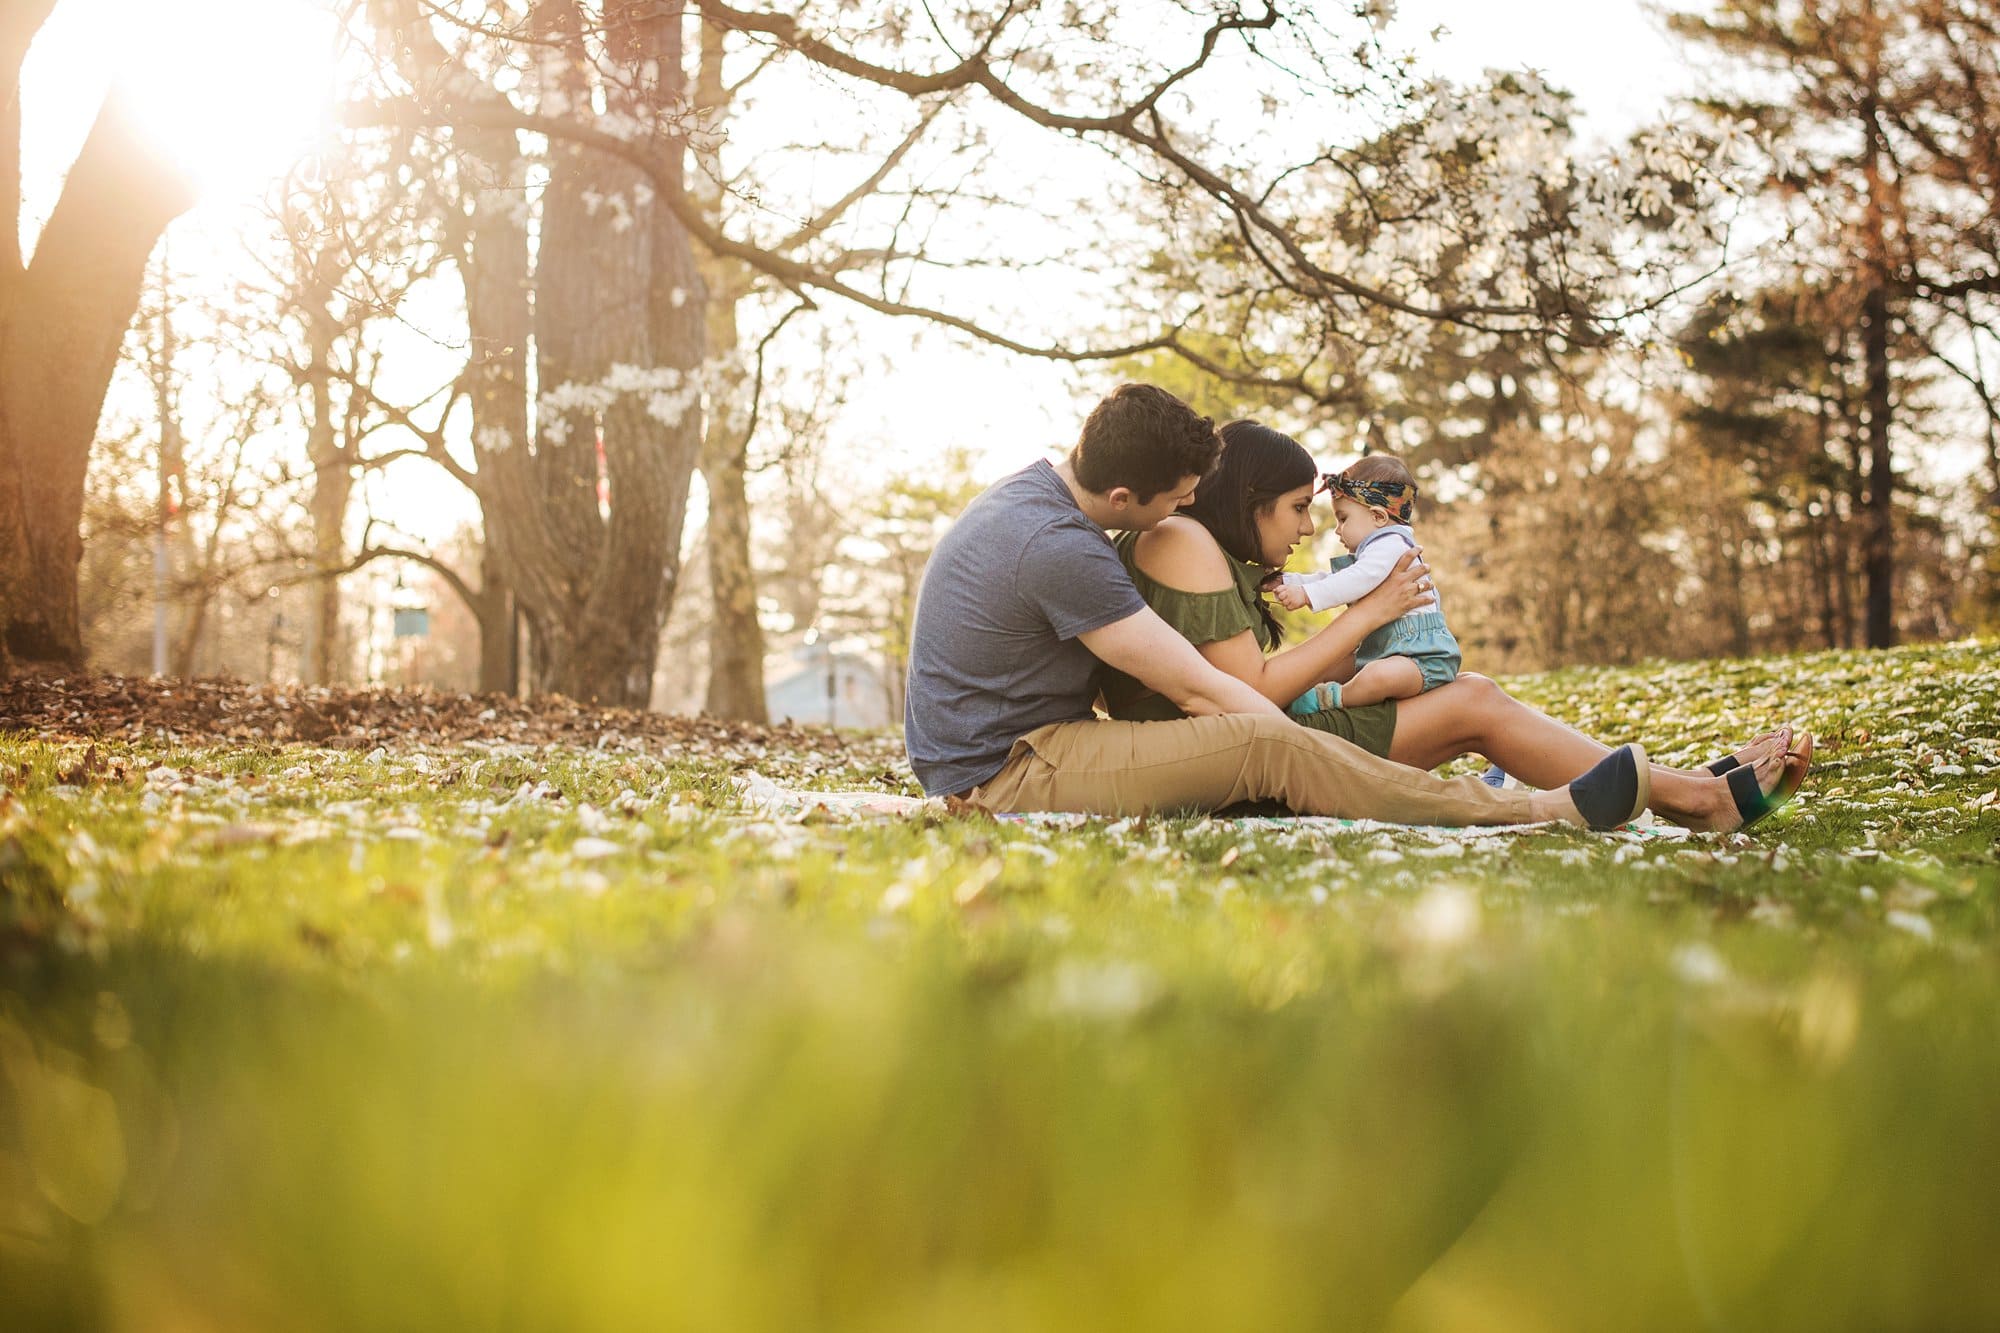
(1181, 554)
(1343, 586)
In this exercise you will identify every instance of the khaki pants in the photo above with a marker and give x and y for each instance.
(1206, 763)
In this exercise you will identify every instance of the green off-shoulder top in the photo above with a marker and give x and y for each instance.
(1210, 617)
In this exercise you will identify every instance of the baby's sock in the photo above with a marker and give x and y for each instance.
(1318, 699)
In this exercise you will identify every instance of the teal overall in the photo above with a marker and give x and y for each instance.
(1420, 635)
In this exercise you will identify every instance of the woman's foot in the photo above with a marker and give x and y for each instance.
(1702, 800)
(1737, 799)
(1780, 740)
(1798, 761)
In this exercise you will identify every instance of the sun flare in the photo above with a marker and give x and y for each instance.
(233, 92)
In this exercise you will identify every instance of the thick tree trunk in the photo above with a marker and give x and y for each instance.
(19, 21)
(60, 329)
(615, 474)
(583, 520)
(494, 265)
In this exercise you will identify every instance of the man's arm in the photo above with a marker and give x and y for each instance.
(1146, 648)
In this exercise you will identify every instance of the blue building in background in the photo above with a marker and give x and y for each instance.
(833, 685)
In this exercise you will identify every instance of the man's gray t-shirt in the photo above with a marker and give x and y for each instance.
(994, 651)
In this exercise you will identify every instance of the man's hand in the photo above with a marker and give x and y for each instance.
(1291, 596)
(1407, 587)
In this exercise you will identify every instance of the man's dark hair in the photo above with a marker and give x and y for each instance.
(1142, 438)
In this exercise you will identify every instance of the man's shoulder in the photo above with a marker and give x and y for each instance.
(1022, 502)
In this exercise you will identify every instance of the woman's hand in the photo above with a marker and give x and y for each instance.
(1407, 587)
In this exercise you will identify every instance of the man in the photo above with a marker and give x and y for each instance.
(1025, 596)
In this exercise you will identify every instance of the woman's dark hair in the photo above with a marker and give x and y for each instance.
(1257, 466)
(1143, 438)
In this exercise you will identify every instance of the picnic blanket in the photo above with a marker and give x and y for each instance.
(773, 799)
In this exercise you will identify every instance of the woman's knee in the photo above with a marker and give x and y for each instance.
(1472, 693)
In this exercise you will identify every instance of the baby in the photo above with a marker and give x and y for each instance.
(1373, 502)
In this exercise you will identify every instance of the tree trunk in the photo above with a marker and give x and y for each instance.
(1732, 580)
(1844, 575)
(1880, 558)
(493, 262)
(333, 479)
(583, 520)
(1880, 554)
(19, 21)
(616, 287)
(499, 637)
(60, 327)
(735, 636)
(521, 578)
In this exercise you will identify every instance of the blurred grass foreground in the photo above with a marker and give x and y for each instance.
(442, 1037)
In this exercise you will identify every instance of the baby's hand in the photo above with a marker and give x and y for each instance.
(1291, 596)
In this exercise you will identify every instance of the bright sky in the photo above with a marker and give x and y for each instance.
(1612, 54)
(230, 90)
(236, 112)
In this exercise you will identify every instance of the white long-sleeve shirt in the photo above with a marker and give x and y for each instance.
(1378, 554)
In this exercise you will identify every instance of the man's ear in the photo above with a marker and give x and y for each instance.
(1118, 497)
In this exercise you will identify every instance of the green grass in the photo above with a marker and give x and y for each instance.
(310, 1039)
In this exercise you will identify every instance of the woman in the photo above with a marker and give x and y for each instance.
(1202, 571)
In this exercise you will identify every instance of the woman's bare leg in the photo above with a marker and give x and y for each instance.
(1472, 715)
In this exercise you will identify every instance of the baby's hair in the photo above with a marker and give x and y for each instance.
(1380, 467)
(1383, 470)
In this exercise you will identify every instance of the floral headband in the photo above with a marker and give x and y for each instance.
(1399, 500)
